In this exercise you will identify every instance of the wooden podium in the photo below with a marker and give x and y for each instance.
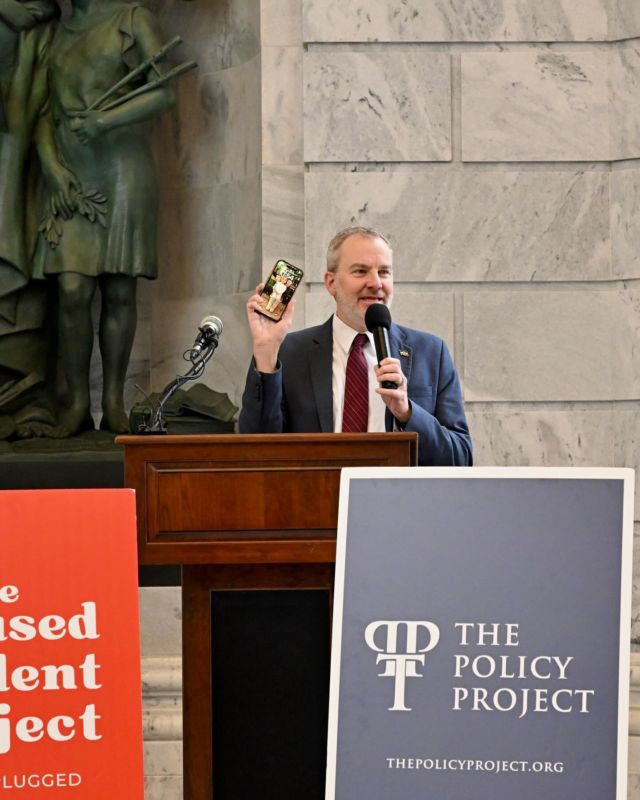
(241, 513)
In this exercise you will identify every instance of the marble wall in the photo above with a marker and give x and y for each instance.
(497, 143)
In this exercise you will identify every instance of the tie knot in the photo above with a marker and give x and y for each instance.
(359, 341)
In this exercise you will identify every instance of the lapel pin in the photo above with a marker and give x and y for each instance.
(404, 353)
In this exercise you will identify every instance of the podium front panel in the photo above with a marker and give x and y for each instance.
(253, 499)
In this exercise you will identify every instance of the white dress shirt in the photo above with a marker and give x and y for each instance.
(343, 337)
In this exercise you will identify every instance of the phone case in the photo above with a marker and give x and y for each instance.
(279, 289)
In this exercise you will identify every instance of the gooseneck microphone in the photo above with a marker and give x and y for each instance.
(203, 349)
(377, 318)
(208, 332)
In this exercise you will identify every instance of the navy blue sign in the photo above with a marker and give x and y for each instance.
(481, 635)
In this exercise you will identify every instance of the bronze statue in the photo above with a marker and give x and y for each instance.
(99, 225)
(26, 32)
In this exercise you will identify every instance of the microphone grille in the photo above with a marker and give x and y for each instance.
(214, 323)
(377, 316)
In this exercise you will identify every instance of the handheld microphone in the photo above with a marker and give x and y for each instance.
(208, 332)
(377, 318)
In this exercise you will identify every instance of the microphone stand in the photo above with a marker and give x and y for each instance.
(198, 363)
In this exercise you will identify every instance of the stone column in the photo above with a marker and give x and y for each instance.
(160, 612)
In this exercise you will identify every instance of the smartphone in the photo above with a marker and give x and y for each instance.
(279, 288)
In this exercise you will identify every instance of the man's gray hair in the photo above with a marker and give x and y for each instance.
(333, 251)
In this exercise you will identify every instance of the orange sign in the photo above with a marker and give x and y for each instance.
(70, 697)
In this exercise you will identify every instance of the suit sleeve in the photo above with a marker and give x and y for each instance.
(443, 437)
(262, 402)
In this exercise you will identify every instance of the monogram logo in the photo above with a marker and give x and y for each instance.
(402, 649)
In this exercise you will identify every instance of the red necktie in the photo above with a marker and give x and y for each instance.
(355, 414)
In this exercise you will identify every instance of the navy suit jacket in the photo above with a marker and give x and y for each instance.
(297, 398)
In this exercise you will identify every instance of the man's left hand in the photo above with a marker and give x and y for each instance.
(396, 400)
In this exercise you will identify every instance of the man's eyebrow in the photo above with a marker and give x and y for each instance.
(358, 265)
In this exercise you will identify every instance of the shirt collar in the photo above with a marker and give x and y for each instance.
(343, 334)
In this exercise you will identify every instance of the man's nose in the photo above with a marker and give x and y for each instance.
(374, 280)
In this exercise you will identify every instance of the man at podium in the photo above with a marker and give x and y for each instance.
(327, 378)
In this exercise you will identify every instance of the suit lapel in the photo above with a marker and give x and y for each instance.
(321, 371)
(400, 350)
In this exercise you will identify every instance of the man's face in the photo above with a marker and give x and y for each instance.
(363, 277)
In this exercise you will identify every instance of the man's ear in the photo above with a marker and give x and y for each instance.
(330, 283)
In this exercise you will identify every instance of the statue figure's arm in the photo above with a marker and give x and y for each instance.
(92, 124)
(17, 15)
(61, 182)
(40, 10)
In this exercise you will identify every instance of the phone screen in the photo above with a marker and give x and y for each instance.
(279, 288)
